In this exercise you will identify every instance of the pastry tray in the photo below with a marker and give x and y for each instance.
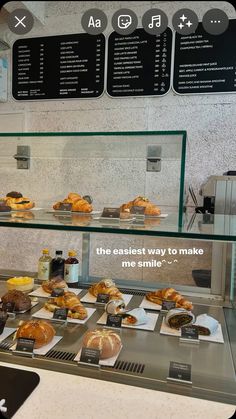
(44, 349)
(88, 298)
(43, 313)
(150, 325)
(33, 304)
(149, 305)
(61, 212)
(217, 337)
(39, 292)
(109, 362)
(7, 332)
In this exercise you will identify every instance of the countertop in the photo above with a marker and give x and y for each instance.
(63, 396)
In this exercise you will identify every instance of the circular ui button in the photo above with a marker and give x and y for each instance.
(185, 21)
(94, 21)
(154, 21)
(124, 21)
(215, 21)
(20, 21)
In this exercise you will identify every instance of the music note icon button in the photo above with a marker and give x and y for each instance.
(154, 21)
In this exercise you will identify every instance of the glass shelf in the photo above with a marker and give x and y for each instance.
(199, 226)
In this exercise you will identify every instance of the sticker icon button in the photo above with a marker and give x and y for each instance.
(124, 21)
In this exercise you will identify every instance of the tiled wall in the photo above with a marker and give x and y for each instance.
(209, 121)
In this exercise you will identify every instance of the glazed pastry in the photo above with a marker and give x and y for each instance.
(178, 317)
(68, 300)
(40, 330)
(16, 201)
(107, 341)
(140, 201)
(115, 307)
(135, 317)
(57, 282)
(20, 300)
(106, 286)
(206, 325)
(169, 294)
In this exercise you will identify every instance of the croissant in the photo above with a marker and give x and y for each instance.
(81, 205)
(150, 208)
(170, 294)
(56, 282)
(106, 286)
(68, 300)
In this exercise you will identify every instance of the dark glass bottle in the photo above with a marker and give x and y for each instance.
(71, 271)
(57, 265)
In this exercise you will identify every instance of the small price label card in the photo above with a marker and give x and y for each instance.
(189, 333)
(168, 305)
(65, 207)
(137, 210)
(102, 298)
(114, 320)
(179, 372)
(111, 213)
(60, 314)
(90, 356)
(24, 347)
(9, 307)
(57, 292)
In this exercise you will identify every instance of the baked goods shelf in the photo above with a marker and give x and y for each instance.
(145, 356)
(198, 226)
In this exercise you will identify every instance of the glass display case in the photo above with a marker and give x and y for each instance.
(192, 253)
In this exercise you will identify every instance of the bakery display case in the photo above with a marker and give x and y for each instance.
(157, 280)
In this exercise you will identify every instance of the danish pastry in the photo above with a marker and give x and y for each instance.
(16, 201)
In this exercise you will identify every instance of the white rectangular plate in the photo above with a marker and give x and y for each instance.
(216, 337)
(149, 305)
(150, 325)
(45, 314)
(44, 349)
(33, 304)
(7, 332)
(109, 362)
(89, 298)
(39, 292)
(157, 216)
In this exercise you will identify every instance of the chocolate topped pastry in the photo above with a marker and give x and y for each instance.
(14, 194)
(20, 300)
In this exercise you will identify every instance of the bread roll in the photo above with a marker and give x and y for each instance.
(39, 330)
(107, 341)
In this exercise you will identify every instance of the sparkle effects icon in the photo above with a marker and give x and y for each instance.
(185, 21)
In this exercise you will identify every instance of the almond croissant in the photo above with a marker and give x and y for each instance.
(169, 294)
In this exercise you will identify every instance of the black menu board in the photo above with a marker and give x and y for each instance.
(58, 67)
(139, 64)
(205, 63)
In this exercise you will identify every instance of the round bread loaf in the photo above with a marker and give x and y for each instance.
(107, 341)
(39, 330)
(20, 300)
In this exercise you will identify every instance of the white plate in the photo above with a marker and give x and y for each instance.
(150, 325)
(45, 348)
(149, 305)
(61, 212)
(216, 337)
(157, 216)
(39, 292)
(7, 332)
(89, 298)
(33, 304)
(43, 313)
(109, 362)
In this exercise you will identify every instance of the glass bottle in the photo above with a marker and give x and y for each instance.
(71, 272)
(44, 265)
(57, 265)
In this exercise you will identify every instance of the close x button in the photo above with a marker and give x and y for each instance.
(20, 21)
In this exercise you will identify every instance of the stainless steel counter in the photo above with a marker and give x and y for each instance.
(145, 357)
